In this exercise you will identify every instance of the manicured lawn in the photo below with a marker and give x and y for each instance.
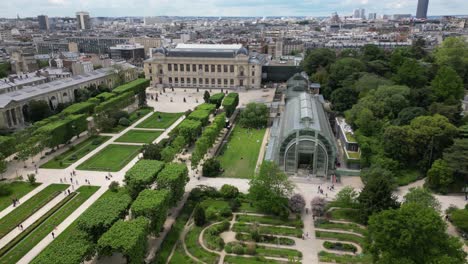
(342, 226)
(18, 190)
(139, 136)
(135, 116)
(239, 156)
(180, 257)
(269, 220)
(267, 239)
(45, 225)
(167, 119)
(26, 209)
(270, 230)
(75, 153)
(247, 208)
(244, 260)
(340, 236)
(195, 248)
(348, 259)
(345, 214)
(278, 252)
(112, 158)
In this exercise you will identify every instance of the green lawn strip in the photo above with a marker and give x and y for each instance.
(342, 226)
(278, 252)
(134, 117)
(28, 208)
(139, 136)
(18, 190)
(253, 260)
(173, 236)
(270, 230)
(267, 239)
(191, 240)
(180, 257)
(347, 214)
(340, 236)
(112, 158)
(269, 220)
(239, 156)
(248, 208)
(70, 156)
(337, 258)
(167, 119)
(45, 225)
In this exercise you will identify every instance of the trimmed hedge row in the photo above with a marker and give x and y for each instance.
(168, 153)
(173, 177)
(141, 175)
(117, 102)
(105, 96)
(104, 213)
(79, 108)
(208, 138)
(135, 86)
(126, 237)
(200, 115)
(189, 129)
(207, 107)
(59, 132)
(230, 103)
(216, 99)
(152, 204)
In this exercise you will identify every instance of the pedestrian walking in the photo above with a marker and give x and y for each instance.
(71, 180)
(21, 226)
(53, 235)
(69, 191)
(71, 174)
(61, 180)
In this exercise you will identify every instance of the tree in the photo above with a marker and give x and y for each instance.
(439, 176)
(255, 115)
(346, 198)
(316, 58)
(412, 234)
(296, 203)
(423, 197)
(377, 195)
(270, 189)
(3, 164)
(199, 216)
(317, 206)
(344, 68)
(453, 52)
(5, 69)
(456, 158)
(38, 110)
(406, 115)
(411, 73)
(447, 84)
(371, 52)
(343, 99)
(229, 191)
(211, 168)
(397, 143)
(206, 96)
(152, 151)
(32, 178)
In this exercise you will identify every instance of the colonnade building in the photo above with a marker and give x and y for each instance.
(205, 66)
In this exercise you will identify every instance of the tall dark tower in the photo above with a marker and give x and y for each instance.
(422, 9)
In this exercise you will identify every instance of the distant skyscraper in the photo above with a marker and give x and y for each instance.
(43, 22)
(83, 20)
(372, 16)
(357, 13)
(422, 9)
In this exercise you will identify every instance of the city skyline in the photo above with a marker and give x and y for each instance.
(220, 8)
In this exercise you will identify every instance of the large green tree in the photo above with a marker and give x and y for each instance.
(368, 82)
(38, 110)
(439, 176)
(453, 52)
(317, 58)
(270, 189)
(345, 69)
(447, 84)
(412, 73)
(343, 99)
(456, 157)
(413, 234)
(422, 196)
(255, 115)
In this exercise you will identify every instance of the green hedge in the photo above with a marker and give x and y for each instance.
(173, 177)
(79, 108)
(106, 211)
(230, 103)
(152, 204)
(94, 100)
(200, 115)
(59, 132)
(141, 175)
(126, 237)
(7, 145)
(189, 129)
(216, 99)
(135, 86)
(105, 96)
(168, 153)
(207, 107)
(208, 138)
(116, 103)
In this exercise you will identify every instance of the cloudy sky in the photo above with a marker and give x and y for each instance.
(24, 8)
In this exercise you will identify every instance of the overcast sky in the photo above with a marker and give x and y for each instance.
(24, 8)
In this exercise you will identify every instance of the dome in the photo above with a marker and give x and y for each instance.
(242, 51)
(161, 50)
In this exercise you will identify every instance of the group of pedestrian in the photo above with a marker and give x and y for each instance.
(20, 227)
(15, 201)
(305, 236)
(108, 176)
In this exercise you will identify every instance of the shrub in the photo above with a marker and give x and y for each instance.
(235, 204)
(79, 108)
(225, 212)
(200, 115)
(238, 249)
(124, 122)
(230, 103)
(229, 191)
(199, 216)
(114, 186)
(251, 249)
(141, 175)
(296, 203)
(32, 178)
(135, 86)
(318, 206)
(173, 177)
(207, 107)
(211, 213)
(216, 99)
(153, 205)
(5, 189)
(211, 168)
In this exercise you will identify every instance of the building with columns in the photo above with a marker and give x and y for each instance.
(205, 66)
(14, 105)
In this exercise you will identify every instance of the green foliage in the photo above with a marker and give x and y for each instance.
(207, 107)
(229, 191)
(344, 69)
(211, 168)
(412, 74)
(104, 213)
(173, 177)
(207, 138)
(216, 99)
(459, 218)
(447, 84)
(453, 52)
(406, 115)
(318, 58)
(368, 82)
(126, 237)
(79, 108)
(199, 216)
(270, 189)
(152, 204)
(456, 157)
(412, 234)
(134, 86)
(371, 52)
(255, 115)
(206, 96)
(116, 103)
(200, 115)
(59, 132)
(152, 151)
(339, 246)
(346, 198)
(343, 99)
(38, 110)
(423, 197)
(32, 178)
(5, 69)
(7, 145)
(114, 186)
(189, 130)
(141, 175)
(230, 103)
(102, 97)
